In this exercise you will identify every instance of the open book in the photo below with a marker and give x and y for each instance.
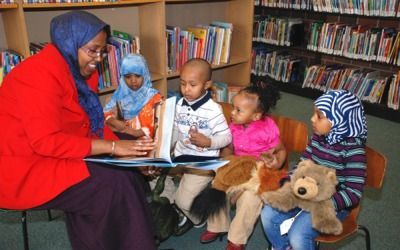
(161, 156)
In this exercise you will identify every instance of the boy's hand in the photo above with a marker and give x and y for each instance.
(199, 140)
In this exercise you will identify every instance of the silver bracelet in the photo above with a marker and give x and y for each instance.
(112, 148)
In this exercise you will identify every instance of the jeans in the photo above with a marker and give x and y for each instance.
(301, 235)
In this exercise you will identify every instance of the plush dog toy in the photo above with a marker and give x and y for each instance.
(310, 188)
(241, 173)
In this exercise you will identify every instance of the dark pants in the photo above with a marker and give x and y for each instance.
(108, 210)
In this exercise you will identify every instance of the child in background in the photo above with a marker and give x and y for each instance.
(253, 133)
(200, 131)
(131, 108)
(340, 133)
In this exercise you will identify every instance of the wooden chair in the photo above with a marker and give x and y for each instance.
(293, 133)
(376, 167)
(24, 224)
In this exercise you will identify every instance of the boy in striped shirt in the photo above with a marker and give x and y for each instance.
(200, 131)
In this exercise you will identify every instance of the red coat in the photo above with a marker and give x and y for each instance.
(44, 133)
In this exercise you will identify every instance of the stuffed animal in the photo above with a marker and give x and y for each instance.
(310, 188)
(241, 173)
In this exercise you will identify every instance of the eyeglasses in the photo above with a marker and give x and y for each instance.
(94, 53)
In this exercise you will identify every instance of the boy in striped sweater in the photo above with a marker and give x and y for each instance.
(340, 133)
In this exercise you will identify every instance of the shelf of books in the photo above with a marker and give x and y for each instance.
(212, 42)
(379, 110)
(309, 52)
(234, 60)
(106, 90)
(8, 60)
(377, 8)
(210, 30)
(166, 32)
(9, 55)
(186, 1)
(48, 4)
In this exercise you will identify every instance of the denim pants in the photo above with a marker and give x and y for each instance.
(301, 235)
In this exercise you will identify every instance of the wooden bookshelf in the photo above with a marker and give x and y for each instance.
(310, 57)
(233, 61)
(154, 78)
(43, 6)
(8, 6)
(24, 23)
(237, 12)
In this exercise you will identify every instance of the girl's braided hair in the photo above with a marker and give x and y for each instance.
(268, 95)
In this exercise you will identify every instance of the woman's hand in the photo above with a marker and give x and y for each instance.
(122, 148)
(133, 147)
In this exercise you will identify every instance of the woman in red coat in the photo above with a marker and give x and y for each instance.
(50, 120)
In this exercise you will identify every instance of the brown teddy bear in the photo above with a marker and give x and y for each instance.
(310, 188)
(241, 173)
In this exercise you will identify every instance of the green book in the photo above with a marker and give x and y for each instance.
(122, 35)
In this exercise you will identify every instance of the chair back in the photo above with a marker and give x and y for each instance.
(227, 109)
(293, 133)
(376, 168)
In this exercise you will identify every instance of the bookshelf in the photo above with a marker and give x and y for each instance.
(189, 13)
(311, 57)
(23, 23)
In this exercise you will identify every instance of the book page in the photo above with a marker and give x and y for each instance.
(163, 135)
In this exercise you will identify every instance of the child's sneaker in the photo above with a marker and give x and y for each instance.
(184, 223)
(200, 225)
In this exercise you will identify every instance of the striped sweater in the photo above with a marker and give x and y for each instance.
(348, 159)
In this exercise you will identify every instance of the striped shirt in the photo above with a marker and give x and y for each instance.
(206, 116)
(348, 159)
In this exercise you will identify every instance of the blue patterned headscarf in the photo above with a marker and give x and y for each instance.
(132, 101)
(69, 32)
(346, 114)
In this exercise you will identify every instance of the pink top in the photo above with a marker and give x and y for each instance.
(256, 138)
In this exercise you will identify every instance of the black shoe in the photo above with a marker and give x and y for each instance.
(180, 230)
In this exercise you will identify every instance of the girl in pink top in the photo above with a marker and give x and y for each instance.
(253, 133)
